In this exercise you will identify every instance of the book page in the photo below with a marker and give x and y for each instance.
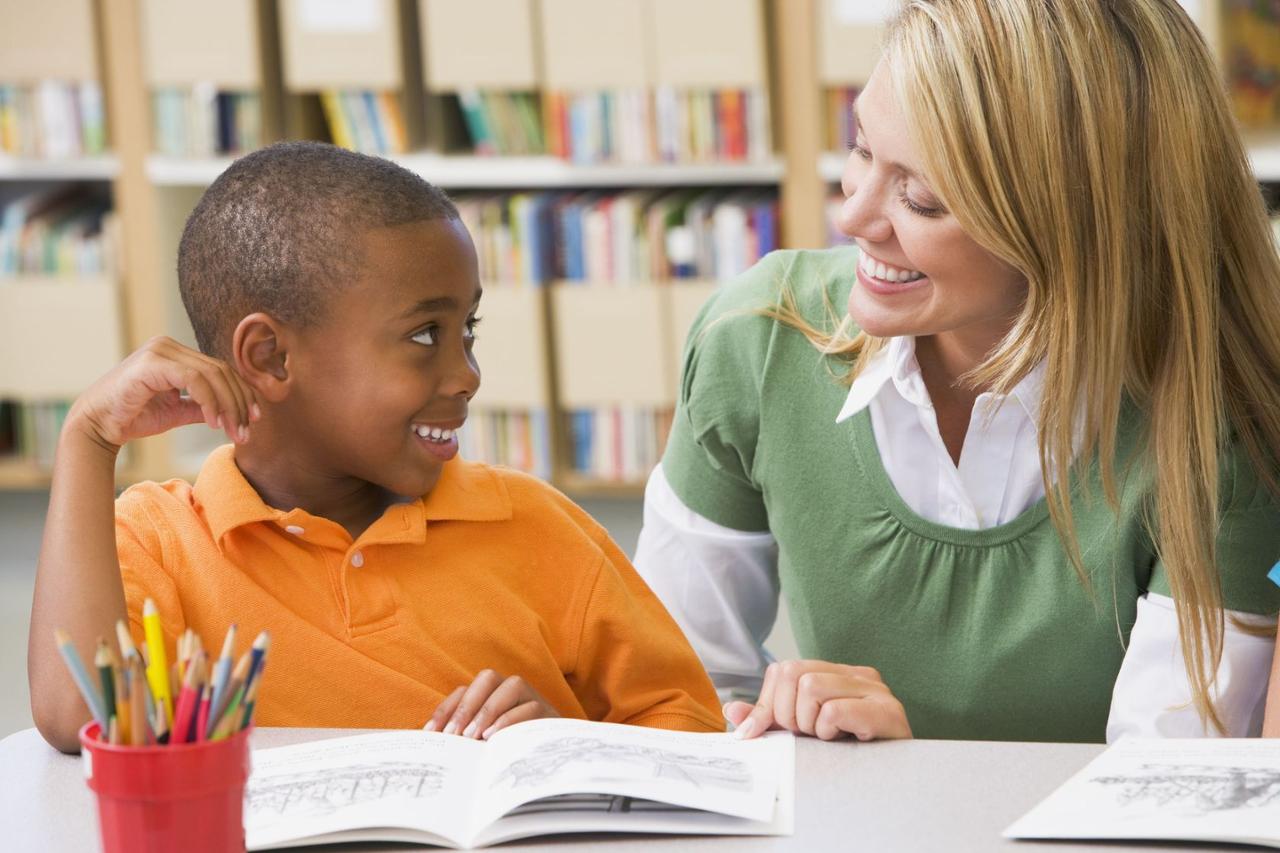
(546, 759)
(1189, 789)
(390, 780)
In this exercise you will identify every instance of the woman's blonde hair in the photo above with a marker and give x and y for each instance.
(1091, 146)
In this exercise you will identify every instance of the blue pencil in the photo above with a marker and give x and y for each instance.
(81, 677)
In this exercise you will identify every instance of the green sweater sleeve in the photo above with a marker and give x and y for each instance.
(1248, 541)
(710, 453)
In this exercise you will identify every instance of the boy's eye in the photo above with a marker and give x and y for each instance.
(427, 337)
(470, 333)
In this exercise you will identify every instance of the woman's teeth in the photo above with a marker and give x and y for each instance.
(884, 272)
(435, 433)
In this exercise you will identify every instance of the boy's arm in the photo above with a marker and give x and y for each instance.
(78, 586)
(634, 665)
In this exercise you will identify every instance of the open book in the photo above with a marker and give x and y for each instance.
(1221, 790)
(534, 778)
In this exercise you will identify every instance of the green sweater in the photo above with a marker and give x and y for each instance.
(982, 634)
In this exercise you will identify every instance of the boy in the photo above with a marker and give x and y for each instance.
(334, 297)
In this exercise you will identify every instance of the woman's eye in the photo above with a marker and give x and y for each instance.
(427, 336)
(918, 209)
(861, 150)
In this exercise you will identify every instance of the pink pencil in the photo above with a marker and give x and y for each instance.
(202, 717)
(184, 714)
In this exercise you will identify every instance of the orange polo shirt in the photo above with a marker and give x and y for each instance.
(492, 569)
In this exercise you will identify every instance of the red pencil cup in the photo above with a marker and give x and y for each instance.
(187, 797)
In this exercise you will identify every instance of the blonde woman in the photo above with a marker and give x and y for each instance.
(1026, 489)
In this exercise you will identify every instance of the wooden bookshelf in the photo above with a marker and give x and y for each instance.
(794, 48)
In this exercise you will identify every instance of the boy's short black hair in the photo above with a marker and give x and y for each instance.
(276, 233)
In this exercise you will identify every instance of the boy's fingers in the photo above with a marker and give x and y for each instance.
(237, 391)
(531, 710)
(474, 697)
(509, 694)
(445, 710)
(202, 394)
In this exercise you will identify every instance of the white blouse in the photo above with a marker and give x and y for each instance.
(721, 585)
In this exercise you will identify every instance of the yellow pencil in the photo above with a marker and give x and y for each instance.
(158, 667)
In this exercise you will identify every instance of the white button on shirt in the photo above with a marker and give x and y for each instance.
(357, 559)
(294, 529)
(721, 585)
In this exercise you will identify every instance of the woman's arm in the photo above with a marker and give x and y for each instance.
(1152, 698)
(720, 585)
(1271, 723)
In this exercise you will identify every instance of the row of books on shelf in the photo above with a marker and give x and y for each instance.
(52, 119)
(503, 123)
(617, 443)
(660, 125)
(620, 237)
(366, 121)
(202, 121)
(665, 124)
(1252, 37)
(29, 431)
(517, 439)
(60, 230)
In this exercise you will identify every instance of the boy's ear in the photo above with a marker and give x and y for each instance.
(259, 350)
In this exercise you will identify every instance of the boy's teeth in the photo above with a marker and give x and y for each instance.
(434, 433)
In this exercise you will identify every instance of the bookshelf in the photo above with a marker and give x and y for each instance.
(552, 345)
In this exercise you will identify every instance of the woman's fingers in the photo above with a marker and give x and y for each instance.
(444, 711)
(736, 711)
(814, 689)
(880, 716)
(761, 717)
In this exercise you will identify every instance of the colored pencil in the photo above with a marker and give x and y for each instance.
(81, 677)
(222, 671)
(188, 700)
(158, 669)
(102, 663)
(202, 717)
(234, 687)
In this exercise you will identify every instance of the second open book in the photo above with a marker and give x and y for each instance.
(535, 778)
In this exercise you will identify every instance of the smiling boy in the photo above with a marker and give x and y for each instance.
(334, 297)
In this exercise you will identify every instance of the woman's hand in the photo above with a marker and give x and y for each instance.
(825, 700)
(488, 704)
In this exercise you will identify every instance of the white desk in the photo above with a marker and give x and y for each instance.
(954, 796)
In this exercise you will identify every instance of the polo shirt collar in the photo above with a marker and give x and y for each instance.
(466, 491)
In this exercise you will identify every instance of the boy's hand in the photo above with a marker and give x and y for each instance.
(488, 704)
(142, 396)
(825, 700)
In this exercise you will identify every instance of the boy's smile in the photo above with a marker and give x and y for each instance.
(380, 384)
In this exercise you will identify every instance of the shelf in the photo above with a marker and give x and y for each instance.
(104, 168)
(582, 486)
(466, 172)
(23, 474)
